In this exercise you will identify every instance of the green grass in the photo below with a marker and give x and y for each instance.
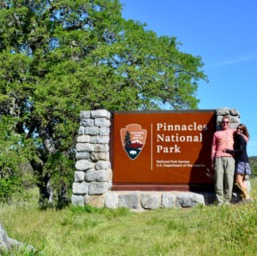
(75, 231)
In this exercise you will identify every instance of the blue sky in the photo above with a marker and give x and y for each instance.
(224, 34)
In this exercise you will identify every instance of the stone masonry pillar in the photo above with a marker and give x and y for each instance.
(232, 113)
(93, 175)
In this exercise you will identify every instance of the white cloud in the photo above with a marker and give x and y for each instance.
(234, 61)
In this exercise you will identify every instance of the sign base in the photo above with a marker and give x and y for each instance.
(162, 187)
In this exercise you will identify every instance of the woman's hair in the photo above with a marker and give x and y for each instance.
(244, 130)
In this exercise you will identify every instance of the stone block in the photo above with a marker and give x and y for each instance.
(87, 147)
(83, 139)
(111, 200)
(222, 111)
(77, 200)
(96, 156)
(150, 200)
(83, 165)
(168, 200)
(234, 112)
(92, 130)
(81, 130)
(87, 122)
(130, 200)
(100, 113)
(102, 165)
(80, 188)
(101, 148)
(84, 114)
(234, 119)
(104, 131)
(100, 139)
(189, 199)
(98, 188)
(96, 201)
(99, 175)
(79, 176)
(104, 156)
(102, 122)
(83, 155)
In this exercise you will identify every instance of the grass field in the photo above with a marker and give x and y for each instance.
(75, 231)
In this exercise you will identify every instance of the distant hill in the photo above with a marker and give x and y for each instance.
(253, 164)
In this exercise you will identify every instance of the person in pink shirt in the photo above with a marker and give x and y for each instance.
(223, 162)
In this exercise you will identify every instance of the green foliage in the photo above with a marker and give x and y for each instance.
(253, 165)
(8, 187)
(254, 171)
(15, 170)
(60, 57)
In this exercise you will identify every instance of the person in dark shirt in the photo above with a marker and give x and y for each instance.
(242, 160)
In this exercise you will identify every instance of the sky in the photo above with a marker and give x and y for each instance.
(224, 34)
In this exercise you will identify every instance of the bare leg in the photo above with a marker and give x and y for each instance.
(242, 186)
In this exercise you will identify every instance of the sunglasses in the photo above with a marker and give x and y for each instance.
(239, 129)
(224, 122)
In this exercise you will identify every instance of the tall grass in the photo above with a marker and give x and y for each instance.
(75, 231)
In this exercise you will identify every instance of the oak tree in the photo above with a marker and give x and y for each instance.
(58, 57)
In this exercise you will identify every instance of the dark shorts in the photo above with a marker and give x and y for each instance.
(243, 168)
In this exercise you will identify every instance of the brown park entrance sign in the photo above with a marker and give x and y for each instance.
(167, 150)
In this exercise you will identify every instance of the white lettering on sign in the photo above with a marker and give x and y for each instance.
(174, 149)
(168, 133)
(181, 127)
(179, 138)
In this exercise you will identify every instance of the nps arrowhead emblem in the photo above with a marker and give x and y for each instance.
(133, 139)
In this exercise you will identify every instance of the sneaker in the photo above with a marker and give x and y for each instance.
(236, 184)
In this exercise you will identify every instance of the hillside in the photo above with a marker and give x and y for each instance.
(253, 164)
